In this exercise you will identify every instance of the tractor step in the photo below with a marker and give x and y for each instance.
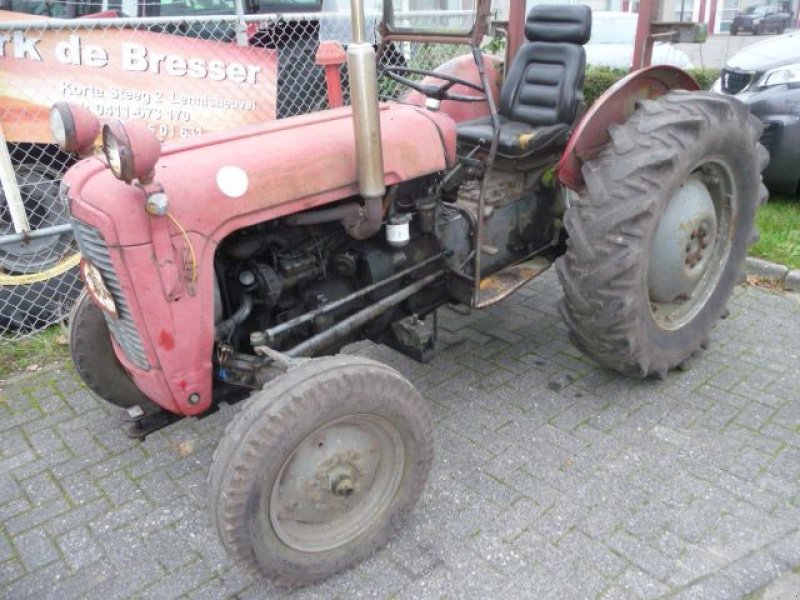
(139, 424)
(497, 286)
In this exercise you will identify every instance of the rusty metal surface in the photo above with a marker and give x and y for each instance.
(516, 28)
(615, 106)
(500, 285)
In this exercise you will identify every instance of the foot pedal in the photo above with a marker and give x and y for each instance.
(497, 286)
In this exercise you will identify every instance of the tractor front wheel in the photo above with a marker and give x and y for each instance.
(659, 235)
(319, 469)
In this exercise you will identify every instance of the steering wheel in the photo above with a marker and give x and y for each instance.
(437, 92)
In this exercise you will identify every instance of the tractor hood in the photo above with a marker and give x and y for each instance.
(221, 182)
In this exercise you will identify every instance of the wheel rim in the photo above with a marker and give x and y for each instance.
(337, 483)
(691, 246)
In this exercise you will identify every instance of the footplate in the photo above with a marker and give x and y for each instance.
(497, 286)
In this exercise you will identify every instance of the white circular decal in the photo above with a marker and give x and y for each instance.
(232, 181)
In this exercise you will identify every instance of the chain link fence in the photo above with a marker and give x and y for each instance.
(182, 75)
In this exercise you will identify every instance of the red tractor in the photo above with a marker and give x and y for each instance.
(225, 265)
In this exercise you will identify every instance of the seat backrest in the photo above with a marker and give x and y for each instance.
(544, 85)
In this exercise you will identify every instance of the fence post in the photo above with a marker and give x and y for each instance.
(11, 189)
(241, 28)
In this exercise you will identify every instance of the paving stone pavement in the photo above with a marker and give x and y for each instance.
(553, 478)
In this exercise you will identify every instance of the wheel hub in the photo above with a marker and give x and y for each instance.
(683, 244)
(336, 482)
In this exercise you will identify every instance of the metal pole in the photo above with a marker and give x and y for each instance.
(24, 236)
(643, 44)
(516, 29)
(361, 63)
(479, 225)
(357, 20)
(343, 328)
(712, 17)
(241, 28)
(274, 332)
(10, 188)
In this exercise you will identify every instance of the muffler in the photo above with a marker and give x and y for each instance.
(362, 66)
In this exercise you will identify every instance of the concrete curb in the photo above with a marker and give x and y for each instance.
(774, 271)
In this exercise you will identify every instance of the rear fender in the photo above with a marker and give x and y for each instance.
(615, 106)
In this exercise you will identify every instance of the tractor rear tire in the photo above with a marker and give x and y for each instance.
(695, 149)
(95, 361)
(320, 468)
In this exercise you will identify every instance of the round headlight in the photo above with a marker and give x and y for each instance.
(74, 127)
(131, 150)
(117, 150)
(57, 127)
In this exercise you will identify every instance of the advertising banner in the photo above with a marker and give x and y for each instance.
(180, 86)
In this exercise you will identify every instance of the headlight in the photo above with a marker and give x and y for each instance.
(779, 75)
(756, 21)
(58, 128)
(97, 288)
(132, 151)
(74, 128)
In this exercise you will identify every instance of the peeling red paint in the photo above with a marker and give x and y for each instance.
(165, 340)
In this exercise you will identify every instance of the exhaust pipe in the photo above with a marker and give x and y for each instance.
(360, 222)
(362, 67)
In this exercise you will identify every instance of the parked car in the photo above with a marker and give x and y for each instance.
(766, 76)
(760, 19)
(611, 44)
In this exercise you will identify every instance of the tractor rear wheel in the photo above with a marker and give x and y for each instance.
(319, 468)
(94, 359)
(659, 235)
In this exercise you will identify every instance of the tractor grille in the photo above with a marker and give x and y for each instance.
(123, 329)
(734, 82)
(770, 135)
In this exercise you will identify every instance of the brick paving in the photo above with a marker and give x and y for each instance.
(552, 479)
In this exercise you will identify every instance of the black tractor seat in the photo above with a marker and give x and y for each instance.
(543, 90)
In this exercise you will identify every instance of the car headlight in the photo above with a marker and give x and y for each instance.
(98, 289)
(74, 128)
(780, 75)
(132, 150)
(756, 21)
